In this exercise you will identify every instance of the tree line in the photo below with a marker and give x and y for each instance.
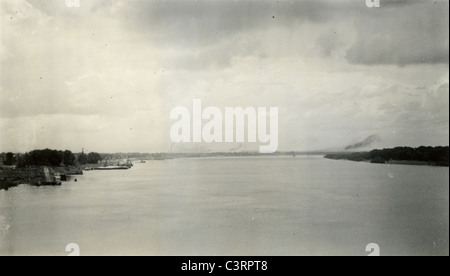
(433, 155)
(48, 157)
(436, 155)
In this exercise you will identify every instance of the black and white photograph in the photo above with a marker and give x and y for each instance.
(224, 128)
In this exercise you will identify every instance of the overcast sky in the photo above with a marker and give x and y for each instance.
(105, 76)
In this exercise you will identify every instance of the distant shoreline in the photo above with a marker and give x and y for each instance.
(422, 156)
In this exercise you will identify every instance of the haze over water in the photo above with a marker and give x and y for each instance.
(234, 206)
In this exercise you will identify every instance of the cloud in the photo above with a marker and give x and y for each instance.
(399, 33)
(112, 66)
(403, 34)
(196, 23)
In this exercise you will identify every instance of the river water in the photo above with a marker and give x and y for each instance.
(234, 206)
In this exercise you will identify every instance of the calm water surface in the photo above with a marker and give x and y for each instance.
(234, 206)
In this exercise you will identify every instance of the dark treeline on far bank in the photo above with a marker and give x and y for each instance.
(48, 157)
(436, 156)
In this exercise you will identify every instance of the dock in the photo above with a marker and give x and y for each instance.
(50, 179)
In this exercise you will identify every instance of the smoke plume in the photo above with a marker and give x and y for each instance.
(367, 142)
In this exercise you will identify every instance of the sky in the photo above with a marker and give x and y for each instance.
(105, 76)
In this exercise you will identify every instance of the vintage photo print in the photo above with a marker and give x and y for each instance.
(224, 128)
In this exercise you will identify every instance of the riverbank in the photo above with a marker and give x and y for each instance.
(35, 176)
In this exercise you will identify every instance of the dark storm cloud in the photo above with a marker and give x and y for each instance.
(198, 22)
(400, 32)
(403, 33)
